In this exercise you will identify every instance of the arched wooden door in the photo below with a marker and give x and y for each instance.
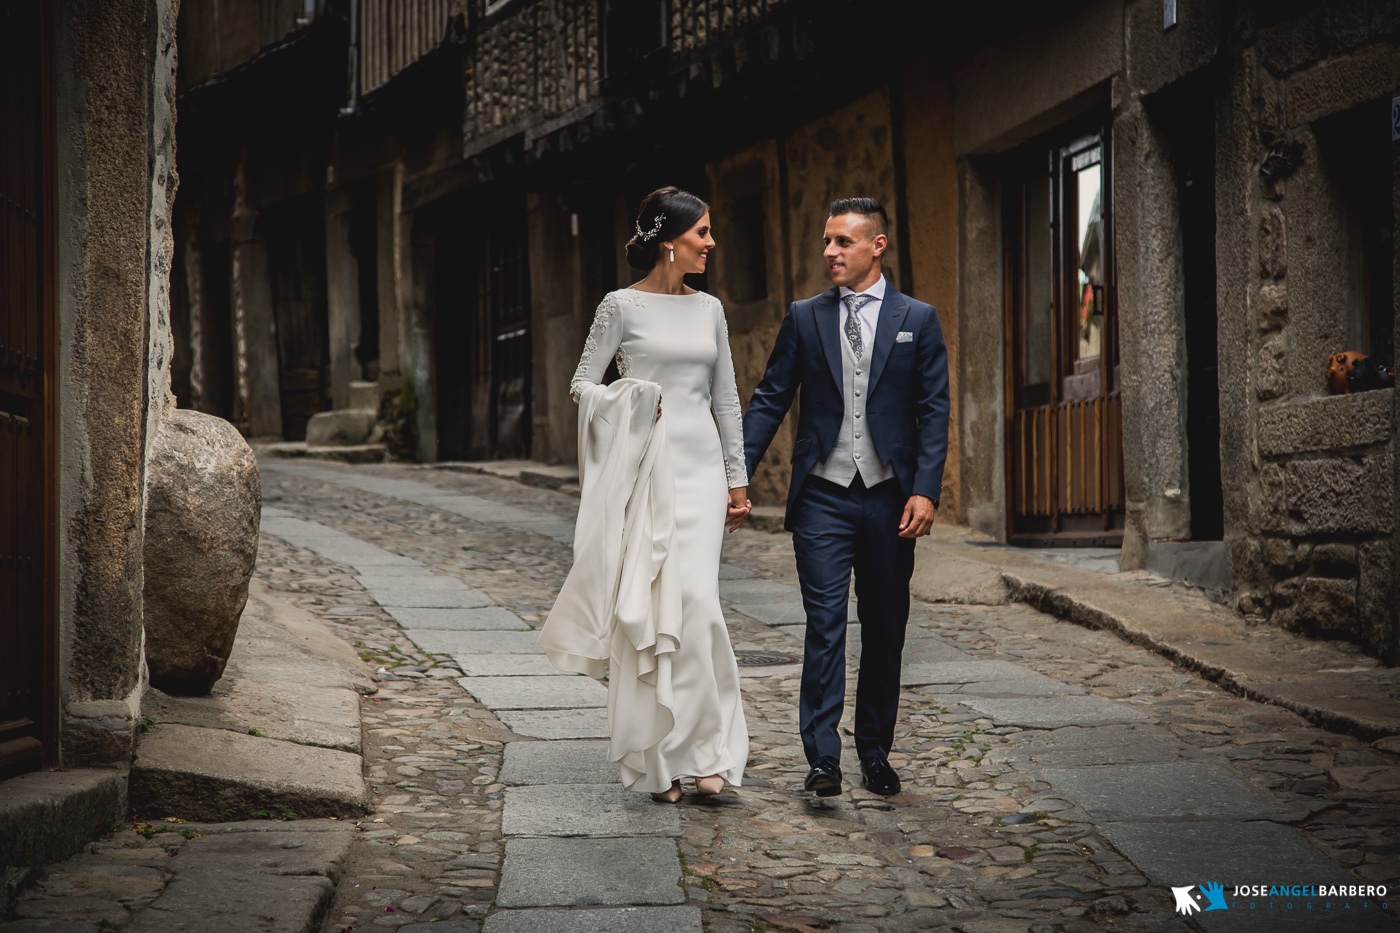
(1064, 400)
(27, 660)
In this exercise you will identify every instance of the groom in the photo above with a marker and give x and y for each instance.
(867, 476)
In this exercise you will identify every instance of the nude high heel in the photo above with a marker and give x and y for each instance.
(709, 786)
(670, 796)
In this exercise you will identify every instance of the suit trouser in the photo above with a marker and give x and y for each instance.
(836, 530)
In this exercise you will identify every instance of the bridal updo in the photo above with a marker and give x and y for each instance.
(666, 213)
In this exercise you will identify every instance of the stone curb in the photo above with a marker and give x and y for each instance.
(1384, 713)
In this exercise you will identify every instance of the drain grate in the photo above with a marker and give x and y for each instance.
(762, 659)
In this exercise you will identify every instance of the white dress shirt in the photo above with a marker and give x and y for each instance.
(869, 312)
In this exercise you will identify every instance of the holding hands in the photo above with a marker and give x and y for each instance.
(739, 507)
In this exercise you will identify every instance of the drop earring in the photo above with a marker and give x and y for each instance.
(673, 254)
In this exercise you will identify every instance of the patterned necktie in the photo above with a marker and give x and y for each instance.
(853, 305)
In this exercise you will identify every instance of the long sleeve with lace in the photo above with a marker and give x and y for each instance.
(603, 343)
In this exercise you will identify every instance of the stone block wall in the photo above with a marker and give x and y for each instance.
(1317, 549)
(1324, 563)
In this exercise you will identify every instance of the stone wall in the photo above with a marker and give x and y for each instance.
(115, 155)
(1317, 552)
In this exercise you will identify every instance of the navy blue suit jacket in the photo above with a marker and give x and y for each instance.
(907, 406)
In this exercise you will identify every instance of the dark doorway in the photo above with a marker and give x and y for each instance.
(1192, 135)
(482, 334)
(296, 254)
(214, 392)
(27, 468)
(364, 246)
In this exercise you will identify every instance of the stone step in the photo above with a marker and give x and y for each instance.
(364, 396)
(213, 774)
(342, 428)
(356, 453)
(47, 816)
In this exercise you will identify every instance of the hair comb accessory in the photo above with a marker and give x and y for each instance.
(655, 229)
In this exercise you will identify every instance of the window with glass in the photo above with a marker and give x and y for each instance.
(1065, 418)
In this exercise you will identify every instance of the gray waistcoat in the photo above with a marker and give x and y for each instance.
(854, 451)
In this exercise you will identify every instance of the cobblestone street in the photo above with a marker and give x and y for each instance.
(1056, 778)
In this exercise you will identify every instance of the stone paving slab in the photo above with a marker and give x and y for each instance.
(585, 810)
(775, 612)
(1076, 746)
(1181, 790)
(1176, 854)
(731, 572)
(987, 678)
(557, 723)
(505, 665)
(481, 619)
(927, 650)
(453, 643)
(560, 531)
(562, 761)
(758, 590)
(409, 596)
(1023, 687)
(368, 560)
(562, 692)
(227, 898)
(965, 672)
(1053, 712)
(427, 581)
(624, 920)
(590, 873)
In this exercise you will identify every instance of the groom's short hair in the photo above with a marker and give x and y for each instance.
(869, 208)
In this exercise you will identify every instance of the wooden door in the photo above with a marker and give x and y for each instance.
(1065, 410)
(27, 660)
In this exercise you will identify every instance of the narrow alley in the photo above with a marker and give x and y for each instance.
(1056, 778)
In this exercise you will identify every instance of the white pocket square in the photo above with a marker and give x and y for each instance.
(904, 336)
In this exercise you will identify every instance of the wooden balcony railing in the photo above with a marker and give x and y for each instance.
(395, 32)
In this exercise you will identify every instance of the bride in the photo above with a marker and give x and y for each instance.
(661, 454)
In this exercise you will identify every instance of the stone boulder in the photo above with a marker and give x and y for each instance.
(203, 508)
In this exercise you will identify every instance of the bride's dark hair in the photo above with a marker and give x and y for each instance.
(665, 213)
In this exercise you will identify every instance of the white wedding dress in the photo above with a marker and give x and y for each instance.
(681, 342)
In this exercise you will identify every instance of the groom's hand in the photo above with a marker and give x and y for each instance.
(918, 517)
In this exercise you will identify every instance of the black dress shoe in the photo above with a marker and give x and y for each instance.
(878, 777)
(825, 778)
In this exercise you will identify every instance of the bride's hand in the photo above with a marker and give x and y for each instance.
(739, 507)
